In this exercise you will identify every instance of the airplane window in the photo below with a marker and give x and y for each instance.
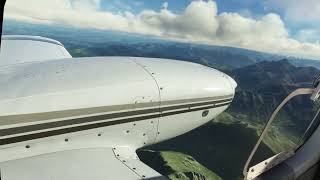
(207, 73)
(289, 129)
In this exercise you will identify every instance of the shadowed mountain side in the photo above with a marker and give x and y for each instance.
(267, 75)
(262, 86)
(222, 148)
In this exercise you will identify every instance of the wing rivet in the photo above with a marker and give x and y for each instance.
(144, 134)
(66, 139)
(158, 132)
(127, 131)
(123, 161)
(252, 170)
(99, 134)
(143, 176)
(27, 146)
(134, 124)
(151, 122)
(134, 168)
(118, 155)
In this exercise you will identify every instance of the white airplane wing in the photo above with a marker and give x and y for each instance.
(91, 163)
(74, 119)
(21, 49)
(96, 162)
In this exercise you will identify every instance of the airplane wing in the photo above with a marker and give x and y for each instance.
(56, 160)
(89, 163)
(30, 48)
(74, 119)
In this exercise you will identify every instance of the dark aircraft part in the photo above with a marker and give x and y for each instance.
(2, 3)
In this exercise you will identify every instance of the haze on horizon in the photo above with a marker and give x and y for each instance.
(268, 26)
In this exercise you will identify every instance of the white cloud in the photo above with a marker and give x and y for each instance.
(309, 35)
(199, 22)
(300, 10)
(86, 5)
(304, 10)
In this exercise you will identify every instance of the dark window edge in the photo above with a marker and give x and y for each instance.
(1, 18)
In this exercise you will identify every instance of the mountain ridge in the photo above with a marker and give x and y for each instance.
(110, 43)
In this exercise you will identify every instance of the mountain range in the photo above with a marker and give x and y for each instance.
(91, 42)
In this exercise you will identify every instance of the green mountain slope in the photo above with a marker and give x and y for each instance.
(176, 165)
(222, 148)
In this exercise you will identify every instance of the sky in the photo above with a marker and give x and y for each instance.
(287, 27)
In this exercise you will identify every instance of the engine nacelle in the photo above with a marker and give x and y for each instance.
(105, 101)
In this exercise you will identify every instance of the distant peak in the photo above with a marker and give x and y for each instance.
(280, 63)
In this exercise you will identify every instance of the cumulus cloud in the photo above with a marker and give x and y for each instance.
(199, 22)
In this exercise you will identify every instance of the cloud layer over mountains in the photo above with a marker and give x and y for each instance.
(199, 22)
